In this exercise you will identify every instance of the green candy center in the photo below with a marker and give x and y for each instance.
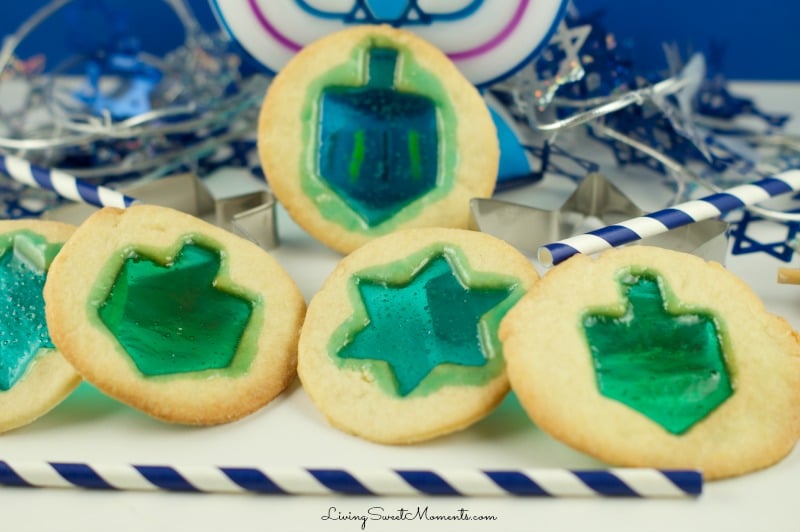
(666, 364)
(174, 317)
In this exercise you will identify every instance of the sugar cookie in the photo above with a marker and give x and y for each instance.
(34, 377)
(372, 130)
(654, 358)
(174, 316)
(400, 343)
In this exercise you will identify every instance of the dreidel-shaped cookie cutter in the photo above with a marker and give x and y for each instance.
(595, 203)
(250, 215)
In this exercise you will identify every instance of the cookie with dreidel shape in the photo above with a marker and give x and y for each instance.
(174, 316)
(372, 130)
(648, 357)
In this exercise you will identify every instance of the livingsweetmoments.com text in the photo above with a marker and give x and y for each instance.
(420, 513)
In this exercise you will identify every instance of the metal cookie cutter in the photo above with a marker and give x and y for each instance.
(595, 203)
(250, 215)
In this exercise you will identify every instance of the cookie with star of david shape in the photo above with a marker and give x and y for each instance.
(34, 377)
(648, 357)
(372, 130)
(400, 344)
(174, 316)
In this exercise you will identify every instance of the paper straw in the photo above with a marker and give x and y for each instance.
(61, 183)
(788, 276)
(664, 220)
(632, 482)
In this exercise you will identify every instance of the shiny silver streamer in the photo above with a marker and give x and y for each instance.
(192, 98)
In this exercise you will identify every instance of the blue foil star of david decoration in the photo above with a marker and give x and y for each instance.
(132, 98)
(744, 243)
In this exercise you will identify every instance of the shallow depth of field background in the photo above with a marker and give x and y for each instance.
(761, 39)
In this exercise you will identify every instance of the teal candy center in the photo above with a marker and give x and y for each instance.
(378, 146)
(666, 365)
(23, 329)
(431, 320)
(173, 318)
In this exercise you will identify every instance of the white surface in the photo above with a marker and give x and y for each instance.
(89, 427)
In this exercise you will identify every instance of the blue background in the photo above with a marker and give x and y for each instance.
(762, 39)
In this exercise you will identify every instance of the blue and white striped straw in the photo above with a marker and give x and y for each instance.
(633, 482)
(664, 220)
(61, 183)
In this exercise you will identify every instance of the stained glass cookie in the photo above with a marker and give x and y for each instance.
(372, 130)
(400, 344)
(34, 377)
(174, 316)
(654, 358)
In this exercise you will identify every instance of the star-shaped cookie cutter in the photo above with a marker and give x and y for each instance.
(250, 215)
(595, 203)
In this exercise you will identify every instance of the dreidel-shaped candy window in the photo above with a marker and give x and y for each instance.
(378, 146)
(668, 365)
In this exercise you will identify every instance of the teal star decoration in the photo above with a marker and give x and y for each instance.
(23, 328)
(435, 317)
